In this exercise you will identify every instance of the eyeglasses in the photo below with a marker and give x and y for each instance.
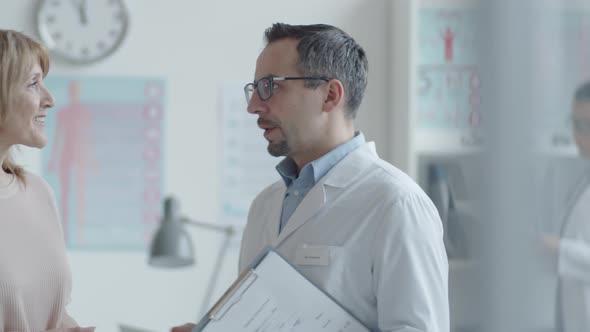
(581, 125)
(265, 86)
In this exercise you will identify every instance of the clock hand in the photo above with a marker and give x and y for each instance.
(80, 6)
(84, 12)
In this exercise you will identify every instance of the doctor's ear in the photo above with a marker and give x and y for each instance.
(335, 96)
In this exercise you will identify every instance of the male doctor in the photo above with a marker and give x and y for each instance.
(353, 224)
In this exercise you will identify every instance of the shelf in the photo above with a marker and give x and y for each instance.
(446, 141)
(558, 145)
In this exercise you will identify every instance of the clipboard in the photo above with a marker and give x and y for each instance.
(271, 295)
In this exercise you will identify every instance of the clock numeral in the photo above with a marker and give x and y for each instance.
(57, 35)
(113, 33)
(85, 51)
(119, 17)
(50, 19)
(101, 45)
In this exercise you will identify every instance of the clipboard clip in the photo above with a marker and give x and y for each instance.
(232, 295)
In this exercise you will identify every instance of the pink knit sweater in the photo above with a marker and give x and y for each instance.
(35, 279)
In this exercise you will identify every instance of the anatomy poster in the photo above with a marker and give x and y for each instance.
(448, 72)
(449, 90)
(104, 159)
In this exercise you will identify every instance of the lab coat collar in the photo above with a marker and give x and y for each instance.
(346, 172)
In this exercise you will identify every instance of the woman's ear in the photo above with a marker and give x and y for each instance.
(335, 97)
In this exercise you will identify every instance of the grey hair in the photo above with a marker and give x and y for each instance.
(583, 92)
(327, 51)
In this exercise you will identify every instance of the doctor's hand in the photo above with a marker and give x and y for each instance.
(551, 243)
(81, 329)
(73, 329)
(188, 327)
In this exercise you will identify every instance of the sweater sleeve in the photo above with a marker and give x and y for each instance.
(68, 321)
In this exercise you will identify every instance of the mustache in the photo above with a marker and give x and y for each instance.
(267, 123)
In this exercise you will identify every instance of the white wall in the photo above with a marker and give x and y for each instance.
(196, 46)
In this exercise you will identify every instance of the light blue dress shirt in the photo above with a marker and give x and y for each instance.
(299, 185)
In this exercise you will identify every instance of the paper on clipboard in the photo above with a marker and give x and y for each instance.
(274, 296)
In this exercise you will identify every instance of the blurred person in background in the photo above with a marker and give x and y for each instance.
(572, 247)
(35, 280)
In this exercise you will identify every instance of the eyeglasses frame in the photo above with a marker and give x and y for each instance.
(271, 79)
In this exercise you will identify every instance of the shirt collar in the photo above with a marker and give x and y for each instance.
(318, 168)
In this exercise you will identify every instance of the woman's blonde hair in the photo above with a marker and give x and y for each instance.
(18, 54)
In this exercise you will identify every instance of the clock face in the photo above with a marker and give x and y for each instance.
(82, 31)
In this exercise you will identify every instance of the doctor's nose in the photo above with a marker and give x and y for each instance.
(255, 105)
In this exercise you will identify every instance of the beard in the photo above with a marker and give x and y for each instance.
(278, 149)
(274, 149)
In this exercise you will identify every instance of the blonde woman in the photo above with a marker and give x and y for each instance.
(35, 279)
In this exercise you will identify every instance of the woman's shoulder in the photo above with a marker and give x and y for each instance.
(36, 183)
(34, 179)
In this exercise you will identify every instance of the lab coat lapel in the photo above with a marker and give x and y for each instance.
(326, 190)
(572, 200)
(311, 204)
(275, 207)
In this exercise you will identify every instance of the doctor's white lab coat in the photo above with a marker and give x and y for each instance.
(376, 241)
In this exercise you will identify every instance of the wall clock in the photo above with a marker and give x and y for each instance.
(82, 31)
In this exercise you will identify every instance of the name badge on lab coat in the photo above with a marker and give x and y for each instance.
(312, 255)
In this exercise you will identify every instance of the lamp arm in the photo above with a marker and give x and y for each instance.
(229, 230)
(215, 274)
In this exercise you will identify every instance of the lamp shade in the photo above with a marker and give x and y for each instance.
(172, 245)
